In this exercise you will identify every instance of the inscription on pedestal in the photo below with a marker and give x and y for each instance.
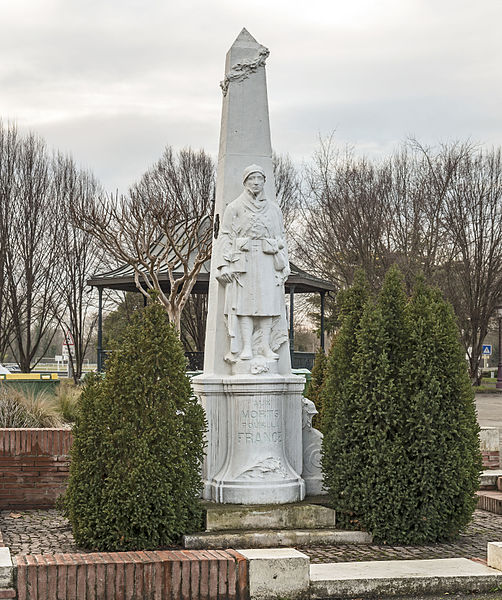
(259, 422)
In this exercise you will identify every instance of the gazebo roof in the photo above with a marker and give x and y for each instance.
(122, 278)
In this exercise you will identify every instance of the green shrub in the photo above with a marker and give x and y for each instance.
(441, 430)
(401, 452)
(138, 445)
(316, 384)
(338, 407)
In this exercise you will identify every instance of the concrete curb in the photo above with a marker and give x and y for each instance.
(401, 578)
(6, 568)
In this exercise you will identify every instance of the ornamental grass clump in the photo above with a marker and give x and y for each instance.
(138, 445)
(27, 409)
(401, 452)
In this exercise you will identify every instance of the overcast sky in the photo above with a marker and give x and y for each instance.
(113, 81)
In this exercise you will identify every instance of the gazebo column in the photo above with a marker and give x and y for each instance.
(100, 329)
(291, 319)
(323, 293)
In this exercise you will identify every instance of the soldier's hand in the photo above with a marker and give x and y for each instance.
(224, 276)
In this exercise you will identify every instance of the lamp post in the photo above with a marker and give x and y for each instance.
(499, 370)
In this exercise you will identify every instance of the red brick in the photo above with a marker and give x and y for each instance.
(81, 579)
(10, 593)
(166, 569)
(32, 584)
(129, 577)
(204, 577)
(100, 576)
(158, 581)
(119, 577)
(42, 572)
(148, 581)
(110, 572)
(185, 574)
(232, 580)
(61, 576)
(195, 576)
(71, 586)
(22, 578)
(91, 576)
(139, 572)
(242, 579)
(175, 577)
(52, 577)
(213, 575)
(46, 439)
(223, 559)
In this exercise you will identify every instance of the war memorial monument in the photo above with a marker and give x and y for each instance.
(252, 400)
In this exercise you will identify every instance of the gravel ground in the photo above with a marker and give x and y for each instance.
(46, 531)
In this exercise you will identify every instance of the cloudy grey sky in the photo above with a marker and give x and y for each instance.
(114, 81)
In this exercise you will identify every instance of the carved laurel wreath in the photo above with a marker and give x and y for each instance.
(244, 69)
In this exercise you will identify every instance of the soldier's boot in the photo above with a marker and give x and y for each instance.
(246, 325)
(266, 328)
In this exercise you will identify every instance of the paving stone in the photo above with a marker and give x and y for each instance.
(48, 531)
(485, 527)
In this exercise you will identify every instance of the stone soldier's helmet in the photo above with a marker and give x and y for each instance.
(253, 169)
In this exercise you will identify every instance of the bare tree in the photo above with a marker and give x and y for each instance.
(32, 257)
(8, 149)
(165, 222)
(193, 323)
(80, 258)
(473, 275)
(436, 212)
(287, 188)
(421, 181)
(344, 209)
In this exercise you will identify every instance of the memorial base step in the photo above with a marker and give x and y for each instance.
(273, 538)
(301, 515)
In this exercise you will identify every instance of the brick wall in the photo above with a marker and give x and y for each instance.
(34, 465)
(148, 575)
(491, 459)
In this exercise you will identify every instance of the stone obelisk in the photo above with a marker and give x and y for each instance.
(253, 403)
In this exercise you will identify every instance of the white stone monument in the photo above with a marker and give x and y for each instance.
(253, 402)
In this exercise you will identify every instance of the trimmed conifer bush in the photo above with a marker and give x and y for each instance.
(138, 445)
(402, 457)
(442, 439)
(339, 461)
(316, 384)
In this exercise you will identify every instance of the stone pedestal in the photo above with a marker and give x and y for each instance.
(254, 450)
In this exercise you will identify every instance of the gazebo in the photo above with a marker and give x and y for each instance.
(298, 282)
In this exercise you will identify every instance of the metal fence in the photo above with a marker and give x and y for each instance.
(195, 360)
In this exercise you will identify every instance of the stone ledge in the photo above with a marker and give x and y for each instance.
(274, 538)
(6, 568)
(494, 555)
(401, 578)
(489, 478)
(277, 573)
